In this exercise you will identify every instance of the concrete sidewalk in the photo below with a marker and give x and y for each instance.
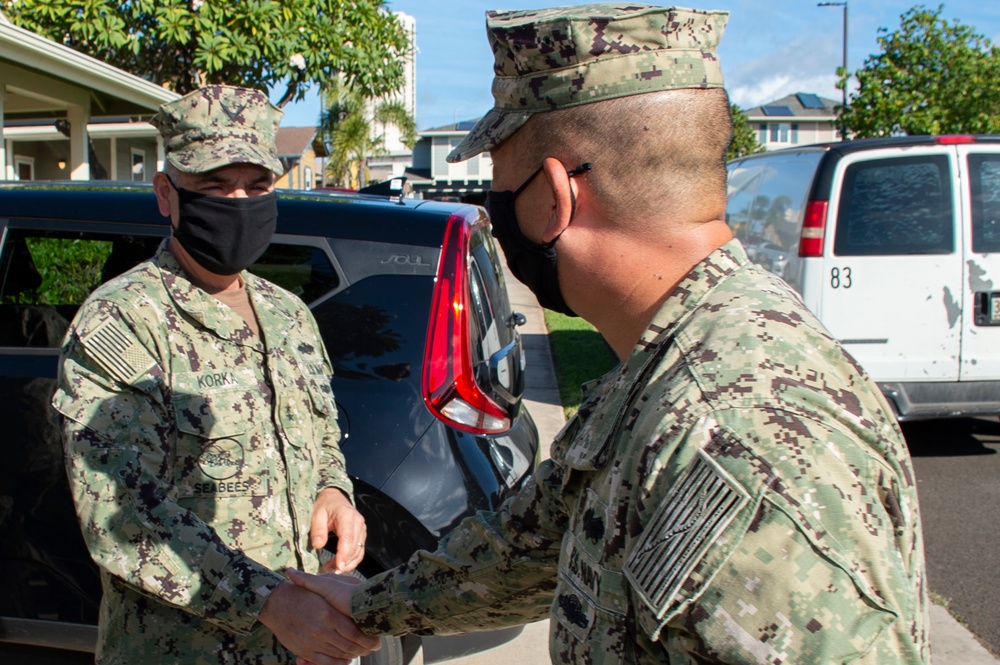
(951, 642)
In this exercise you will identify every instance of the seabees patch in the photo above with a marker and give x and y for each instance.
(116, 350)
(699, 507)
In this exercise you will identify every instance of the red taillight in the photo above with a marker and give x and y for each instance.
(813, 229)
(954, 139)
(450, 389)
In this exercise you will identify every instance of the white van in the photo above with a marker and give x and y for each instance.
(895, 245)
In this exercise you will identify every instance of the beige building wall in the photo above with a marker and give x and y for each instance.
(302, 174)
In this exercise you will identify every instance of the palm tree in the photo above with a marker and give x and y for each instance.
(348, 127)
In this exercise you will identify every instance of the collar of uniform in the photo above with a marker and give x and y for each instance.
(200, 305)
(270, 304)
(689, 292)
(607, 399)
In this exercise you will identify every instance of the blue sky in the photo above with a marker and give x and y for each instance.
(770, 48)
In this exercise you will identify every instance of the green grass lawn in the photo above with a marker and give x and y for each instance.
(579, 354)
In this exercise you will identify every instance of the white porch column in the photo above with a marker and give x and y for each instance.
(79, 160)
(3, 144)
(113, 166)
(161, 154)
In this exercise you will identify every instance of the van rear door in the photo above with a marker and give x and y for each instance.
(981, 315)
(892, 277)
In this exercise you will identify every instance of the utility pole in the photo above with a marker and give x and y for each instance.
(843, 128)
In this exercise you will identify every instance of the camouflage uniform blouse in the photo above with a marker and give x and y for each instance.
(735, 492)
(195, 450)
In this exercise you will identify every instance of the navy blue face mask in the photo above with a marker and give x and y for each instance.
(225, 235)
(532, 263)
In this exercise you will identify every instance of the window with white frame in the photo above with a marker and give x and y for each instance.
(138, 170)
(24, 167)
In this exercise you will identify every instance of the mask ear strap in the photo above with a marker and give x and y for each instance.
(171, 181)
(581, 169)
(527, 182)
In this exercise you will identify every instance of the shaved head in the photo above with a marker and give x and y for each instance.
(655, 155)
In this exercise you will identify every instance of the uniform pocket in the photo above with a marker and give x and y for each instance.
(307, 397)
(216, 415)
(220, 414)
(218, 404)
(589, 607)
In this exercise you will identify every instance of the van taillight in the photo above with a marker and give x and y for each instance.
(954, 139)
(450, 389)
(813, 229)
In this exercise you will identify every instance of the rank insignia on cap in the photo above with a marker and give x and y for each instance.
(116, 351)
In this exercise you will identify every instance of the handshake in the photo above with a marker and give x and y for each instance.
(311, 617)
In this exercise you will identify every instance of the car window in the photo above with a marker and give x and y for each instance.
(775, 221)
(766, 201)
(896, 206)
(485, 329)
(742, 181)
(984, 177)
(46, 275)
(304, 270)
(490, 328)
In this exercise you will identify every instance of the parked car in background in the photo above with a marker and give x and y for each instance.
(429, 371)
(895, 245)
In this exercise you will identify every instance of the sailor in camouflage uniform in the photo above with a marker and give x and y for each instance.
(736, 491)
(200, 428)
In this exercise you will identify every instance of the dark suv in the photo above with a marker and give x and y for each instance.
(410, 299)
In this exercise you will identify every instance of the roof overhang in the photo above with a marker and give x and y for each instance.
(42, 78)
(792, 118)
(100, 130)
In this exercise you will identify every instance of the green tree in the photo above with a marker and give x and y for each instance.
(932, 77)
(744, 137)
(349, 128)
(185, 44)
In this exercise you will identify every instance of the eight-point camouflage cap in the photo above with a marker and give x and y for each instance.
(219, 125)
(549, 59)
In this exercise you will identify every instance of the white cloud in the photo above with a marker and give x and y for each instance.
(761, 91)
(804, 64)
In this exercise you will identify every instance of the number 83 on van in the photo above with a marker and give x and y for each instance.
(840, 278)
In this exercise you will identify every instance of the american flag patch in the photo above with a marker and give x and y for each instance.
(699, 507)
(116, 350)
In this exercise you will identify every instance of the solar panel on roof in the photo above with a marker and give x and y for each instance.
(771, 109)
(810, 101)
(466, 125)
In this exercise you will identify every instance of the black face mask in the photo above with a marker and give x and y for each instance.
(533, 264)
(225, 235)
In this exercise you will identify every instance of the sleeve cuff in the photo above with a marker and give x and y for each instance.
(238, 598)
(334, 483)
(371, 607)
